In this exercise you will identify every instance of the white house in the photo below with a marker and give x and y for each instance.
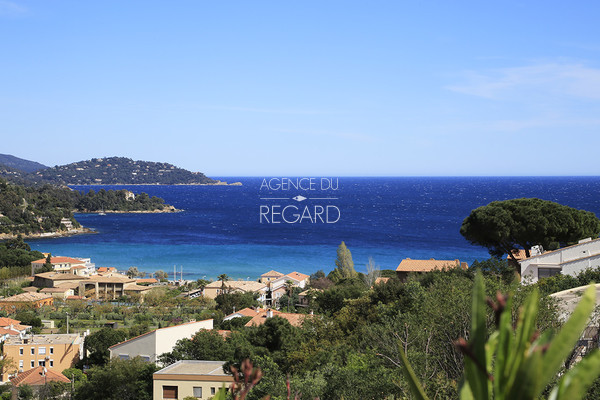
(569, 260)
(159, 341)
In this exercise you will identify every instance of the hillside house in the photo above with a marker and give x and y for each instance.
(408, 266)
(569, 260)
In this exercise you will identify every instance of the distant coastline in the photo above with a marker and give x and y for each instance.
(218, 183)
(166, 210)
(46, 235)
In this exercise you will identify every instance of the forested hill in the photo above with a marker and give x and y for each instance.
(20, 164)
(35, 210)
(119, 170)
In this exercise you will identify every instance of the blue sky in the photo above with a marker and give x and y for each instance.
(320, 88)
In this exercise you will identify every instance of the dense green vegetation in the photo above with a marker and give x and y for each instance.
(115, 200)
(350, 347)
(118, 170)
(503, 226)
(29, 209)
(17, 253)
(356, 336)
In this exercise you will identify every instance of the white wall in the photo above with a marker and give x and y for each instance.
(159, 341)
(571, 260)
(166, 338)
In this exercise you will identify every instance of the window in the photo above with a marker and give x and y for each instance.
(51, 350)
(548, 272)
(42, 350)
(33, 364)
(145, 358)
(42, 363)
(33, 351)
(124, 356)
(197, 391)
(213, 391)
(169, 392)
(21, 364)
(52, 363)
(21, 351)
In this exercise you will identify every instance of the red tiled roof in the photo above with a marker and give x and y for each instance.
(272, 273)
(74, 298)
(247, 312)
(261, 318)
(298, 276)
(38, 376)
(147, 280)
(518, 253)
(224, 333)
(59, 260)
(4, 331)
(4, 321)
(409, 265)
(26, 297)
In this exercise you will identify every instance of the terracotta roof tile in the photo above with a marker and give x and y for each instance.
(272, 273)
(25, 297)
(409, 265)
(38, 376)
(261, 318)
(381, 280)
(4, 321)
(4, 331)
(59, 260)
(147, 280)
(298, 276)
(247, 312)
(518, 253)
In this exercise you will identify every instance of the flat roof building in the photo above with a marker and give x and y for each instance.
(185, 378)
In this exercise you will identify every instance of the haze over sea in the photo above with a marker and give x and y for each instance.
(387, 219)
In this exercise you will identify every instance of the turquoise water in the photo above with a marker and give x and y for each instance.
(387, 219)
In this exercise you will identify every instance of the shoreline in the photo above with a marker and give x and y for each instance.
(218, 183)
(46, 235)
(168, 210)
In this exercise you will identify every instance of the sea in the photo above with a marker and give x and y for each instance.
(296, 224)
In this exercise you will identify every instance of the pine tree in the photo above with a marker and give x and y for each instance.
(344, 265)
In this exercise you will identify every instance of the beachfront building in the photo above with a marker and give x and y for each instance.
(213, 289)
(408, 266)
(57, 279)
(270, 276)
(190, 378)
(297, 279)
(152, 344)
(25, 301)
(65, 265)
(109, 286)
(569, 260)
(52, 351)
